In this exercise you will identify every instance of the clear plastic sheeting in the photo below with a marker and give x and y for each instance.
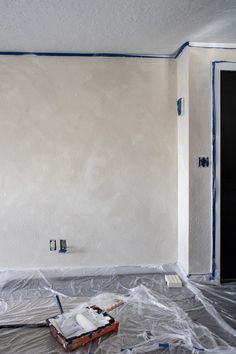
(199, 317)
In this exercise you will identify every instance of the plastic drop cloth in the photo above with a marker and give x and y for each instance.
(199, 317)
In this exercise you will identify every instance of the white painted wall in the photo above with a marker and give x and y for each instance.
(183, 161)
(200, 144)
(88, 152)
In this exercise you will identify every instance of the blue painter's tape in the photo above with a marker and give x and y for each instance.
(213, 172)
(174, 55)
(112, 55)
(197, 274)
(130, 349)
(208, 47)
(164, 345)
(214, 168)
(180, 106)
(199, 349)
(181, 49)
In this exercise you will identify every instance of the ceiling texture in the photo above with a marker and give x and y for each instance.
(114, 26)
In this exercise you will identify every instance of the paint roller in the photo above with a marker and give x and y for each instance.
(73, 330)
(78, 328)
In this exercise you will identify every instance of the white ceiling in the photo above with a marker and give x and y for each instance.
(115, 26)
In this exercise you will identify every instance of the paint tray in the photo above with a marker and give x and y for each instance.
(75, 329)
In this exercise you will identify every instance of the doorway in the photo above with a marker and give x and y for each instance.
(228, 174)
(225, 207)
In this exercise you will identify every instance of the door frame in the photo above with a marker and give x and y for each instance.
(217, 67)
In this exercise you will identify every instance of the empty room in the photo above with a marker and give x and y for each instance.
(118, 177)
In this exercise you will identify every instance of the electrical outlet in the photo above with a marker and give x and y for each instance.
(53, 245)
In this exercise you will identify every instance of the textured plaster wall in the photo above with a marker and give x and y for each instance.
(200, 139)
(183, 161)
(88, 152)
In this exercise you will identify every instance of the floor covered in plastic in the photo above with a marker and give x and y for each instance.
(153, 319)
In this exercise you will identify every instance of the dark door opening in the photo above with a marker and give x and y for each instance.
(228, 176)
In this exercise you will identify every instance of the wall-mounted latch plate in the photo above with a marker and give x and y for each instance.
(203, 161)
